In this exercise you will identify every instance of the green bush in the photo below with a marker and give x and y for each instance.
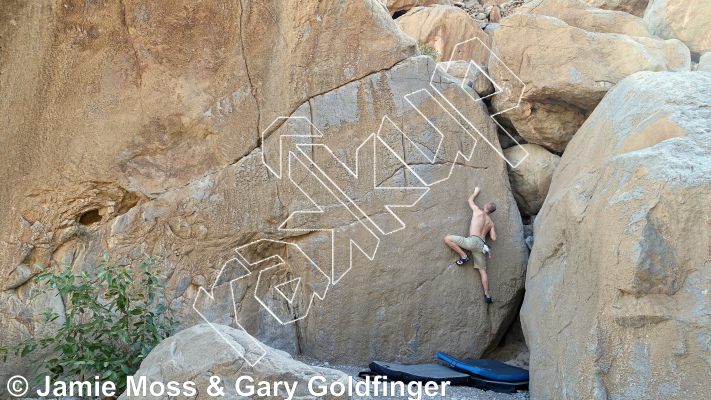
(427, 50)
(111, 322)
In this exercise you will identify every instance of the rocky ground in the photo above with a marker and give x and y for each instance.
(485, 14)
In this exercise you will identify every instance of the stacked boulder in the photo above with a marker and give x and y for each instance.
(686, 20)
(566, 66)
(617, 301)
(442, 28)
(634, 7)
(397, 7)
(532, 176)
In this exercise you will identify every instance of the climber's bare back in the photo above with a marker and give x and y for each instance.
(481, 224)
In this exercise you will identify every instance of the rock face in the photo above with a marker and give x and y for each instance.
(616, 294)
(686, 20)
(395, 6)
(634, 7)
(198, 353)
(443, 27)
(400, 319)
(395, 288)
(191, 89)
(580, 15)
(153, 135)
(138, 100)
(566, 71)
(531, 178)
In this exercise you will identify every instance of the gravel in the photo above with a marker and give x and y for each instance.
(480, 12)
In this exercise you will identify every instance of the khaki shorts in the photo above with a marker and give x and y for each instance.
(474, 244)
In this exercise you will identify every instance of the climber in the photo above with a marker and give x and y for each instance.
(481, 225)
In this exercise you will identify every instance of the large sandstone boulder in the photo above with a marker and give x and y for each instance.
(368, 313)
(154, 132)
(686, 20)
(617, 286)
(206, 351)
(566, 71)
(443, 28)
(415, 282)
(580, 15)
(532, 176)
(395, 6)
(634, 7)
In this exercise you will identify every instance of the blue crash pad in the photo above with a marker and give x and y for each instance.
(489, 369)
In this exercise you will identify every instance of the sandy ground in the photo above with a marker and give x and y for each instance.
(451, 392)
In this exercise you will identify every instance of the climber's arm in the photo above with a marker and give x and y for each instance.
(471, 199)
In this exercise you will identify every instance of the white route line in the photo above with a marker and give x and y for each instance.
(472, 62)
(479, 69)
(281, 138)
(373, 137)
(434, 157)
(321, 210)
(211, 296)
(293, 295)
(280, 263)
(518, 101)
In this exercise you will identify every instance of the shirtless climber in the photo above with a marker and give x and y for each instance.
(480, 226)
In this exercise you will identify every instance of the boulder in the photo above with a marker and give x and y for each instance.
(401, 6)
(507, 139)
(566, 72)
(154, 135)
(704, 63)
(443, 28)
(205, 351)
(634, 7)
(475, 78)
(580, 15)
(617, 285)
(360, 318)
(490, 28)
(416, 282)
(686, 20)
(532, 176)
(495, 16)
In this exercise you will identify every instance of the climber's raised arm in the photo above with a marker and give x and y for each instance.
(471, 199)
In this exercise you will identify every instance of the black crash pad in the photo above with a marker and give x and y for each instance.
(420, 373)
